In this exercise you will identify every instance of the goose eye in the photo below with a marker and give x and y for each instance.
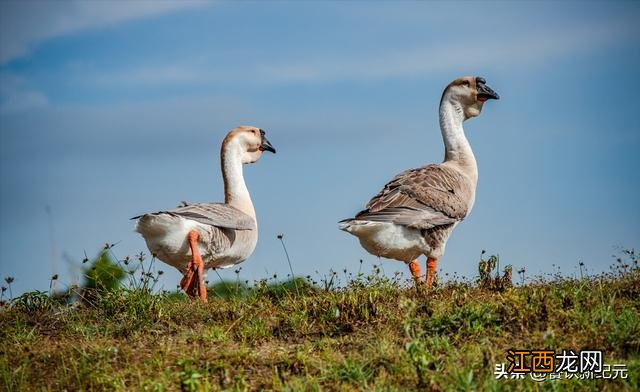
(465, 83)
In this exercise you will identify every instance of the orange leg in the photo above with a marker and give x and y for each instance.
(414, 267)
(432, 265)
(193, 280)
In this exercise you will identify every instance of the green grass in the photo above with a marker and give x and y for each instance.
(373, 334)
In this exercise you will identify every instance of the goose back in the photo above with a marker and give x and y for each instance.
(423, 198)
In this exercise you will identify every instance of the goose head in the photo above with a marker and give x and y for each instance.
(247, 141)
(469, 93)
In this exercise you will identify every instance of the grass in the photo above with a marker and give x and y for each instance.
(374, 333)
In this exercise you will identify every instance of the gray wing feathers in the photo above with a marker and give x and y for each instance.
(213, 214)
(423, 198)
(422, 219)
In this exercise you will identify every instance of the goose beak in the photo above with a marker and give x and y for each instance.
(266, 145)
(485, 92)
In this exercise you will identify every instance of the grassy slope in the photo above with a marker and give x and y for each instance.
(373, 334)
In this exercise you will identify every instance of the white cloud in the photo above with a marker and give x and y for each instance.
(523, 51)
(24, 24)
(520, 52)
(182, 74)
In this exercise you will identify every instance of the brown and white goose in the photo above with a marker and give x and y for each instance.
(416, 211)
(210, 235)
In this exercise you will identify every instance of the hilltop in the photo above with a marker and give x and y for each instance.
(373, 333)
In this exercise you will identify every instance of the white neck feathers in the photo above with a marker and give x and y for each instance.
(457, 148)
(236, 193)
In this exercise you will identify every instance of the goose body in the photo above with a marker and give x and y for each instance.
(417, 210)
(196, 236)
(414, 213)
(228, 236)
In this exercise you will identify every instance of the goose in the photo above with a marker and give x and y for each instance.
(196, 236)
(417, 210)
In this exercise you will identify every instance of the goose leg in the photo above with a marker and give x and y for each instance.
(432, 265)
(414, 267)
(193, 280)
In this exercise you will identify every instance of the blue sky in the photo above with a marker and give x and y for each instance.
(108, 110)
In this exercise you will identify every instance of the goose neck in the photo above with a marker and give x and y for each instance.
(236, 193)
(457, 148)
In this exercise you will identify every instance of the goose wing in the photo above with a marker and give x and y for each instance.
(213, 214)
(421, 198)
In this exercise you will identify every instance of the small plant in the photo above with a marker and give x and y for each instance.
(420, 359)
(581, 265)
(9, 280)
(54, 278)
(521, 272)
(281, 238)
(229, 289)
(488, 271)
(34, 301)
(354, 372)
(101, 276)
(463, 380)
(190, 379)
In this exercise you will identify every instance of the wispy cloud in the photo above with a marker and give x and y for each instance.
(24, 24)
(159, 75)
(524, 50)
(17, 96)
(521, 51)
